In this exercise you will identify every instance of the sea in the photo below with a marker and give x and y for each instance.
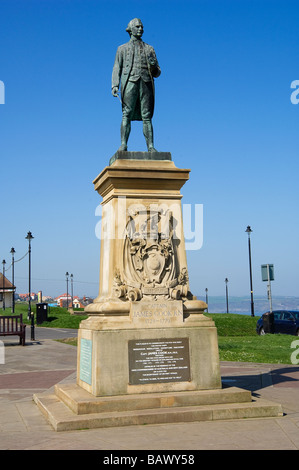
(242, 305)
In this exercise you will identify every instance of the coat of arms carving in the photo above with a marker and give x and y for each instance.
(149, 258)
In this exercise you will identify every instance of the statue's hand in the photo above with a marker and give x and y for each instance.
(152, 60)
(115, 91)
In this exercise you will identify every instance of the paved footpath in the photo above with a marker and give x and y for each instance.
(42, 363)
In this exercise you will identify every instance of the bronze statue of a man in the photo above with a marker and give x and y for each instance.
(135, 68)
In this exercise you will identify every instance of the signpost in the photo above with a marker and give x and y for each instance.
(268, 275)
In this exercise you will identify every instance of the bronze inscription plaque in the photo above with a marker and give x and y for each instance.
(159, 360)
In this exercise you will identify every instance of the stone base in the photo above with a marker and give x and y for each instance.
(72, 408)
(125, 155)
(105, 394)
(156, 347)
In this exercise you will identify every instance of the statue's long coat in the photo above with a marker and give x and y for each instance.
(122, 68)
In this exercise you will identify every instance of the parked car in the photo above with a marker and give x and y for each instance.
(284, 321)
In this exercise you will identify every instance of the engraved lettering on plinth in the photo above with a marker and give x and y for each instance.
(157, 314)
(161, 360)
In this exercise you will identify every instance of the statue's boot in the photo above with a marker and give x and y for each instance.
(123, 147)
(149, 135)
(125, 129)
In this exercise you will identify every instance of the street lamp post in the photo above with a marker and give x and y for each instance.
(3, 284)
(67, 289)
(207, 302)
(13, 278)
(71, 276)
(248, 230)
(29, 237)
(226, 290)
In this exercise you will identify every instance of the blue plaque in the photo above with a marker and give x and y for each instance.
(85, 360)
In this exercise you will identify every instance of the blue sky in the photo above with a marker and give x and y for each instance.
(223, 109)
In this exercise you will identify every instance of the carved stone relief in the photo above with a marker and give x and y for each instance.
(149, 260)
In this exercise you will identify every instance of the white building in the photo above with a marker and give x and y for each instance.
(63, 300)
(7, 290)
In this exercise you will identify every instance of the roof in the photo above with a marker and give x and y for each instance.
(63, 296)
(7, 283)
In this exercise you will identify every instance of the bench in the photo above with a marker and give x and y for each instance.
(13, 325)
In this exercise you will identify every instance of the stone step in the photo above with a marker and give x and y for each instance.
(82, 402)
(62, 418)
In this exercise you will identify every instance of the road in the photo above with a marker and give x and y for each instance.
(50, 333)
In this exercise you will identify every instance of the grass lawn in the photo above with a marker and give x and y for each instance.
(237, 337)
(57, 317)
(238, 341)
(266, 349)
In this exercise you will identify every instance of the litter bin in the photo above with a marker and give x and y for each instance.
(41, 313)
(268, 322)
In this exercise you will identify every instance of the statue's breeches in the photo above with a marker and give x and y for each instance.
(138, 101)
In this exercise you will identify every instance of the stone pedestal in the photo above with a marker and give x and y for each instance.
(144, 287)
(154, 349)
(147, 351)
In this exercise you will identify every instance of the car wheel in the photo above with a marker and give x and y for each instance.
(262, 331)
